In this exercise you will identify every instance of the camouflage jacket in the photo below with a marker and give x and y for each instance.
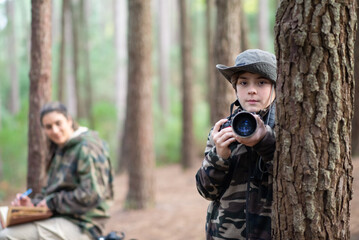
(79, 182)
(240, 190)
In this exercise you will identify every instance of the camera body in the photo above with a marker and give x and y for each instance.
(243, 123)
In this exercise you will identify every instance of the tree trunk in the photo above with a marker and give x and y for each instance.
(139, 120)
(315, 86)
(164, 45)
(355, 132)
(211, 68)
(187, 156)
(263, 24)
(244, 29)
(40, 90)
(61, 73)
(85, 52)
(227, 44)
(75, 58)
(14, 101)
(120, 15)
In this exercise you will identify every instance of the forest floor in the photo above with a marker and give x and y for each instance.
(179, 213)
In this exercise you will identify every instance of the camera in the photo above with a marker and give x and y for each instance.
(243, 123)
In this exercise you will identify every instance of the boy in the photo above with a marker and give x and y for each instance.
(235, 175)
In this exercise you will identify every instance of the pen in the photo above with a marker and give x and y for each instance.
(28, 191)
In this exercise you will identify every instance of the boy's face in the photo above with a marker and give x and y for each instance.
(254, 91)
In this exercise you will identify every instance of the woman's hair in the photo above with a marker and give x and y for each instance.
(56, 107)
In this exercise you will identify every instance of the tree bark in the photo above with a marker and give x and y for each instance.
(139, 121)
(187, 143)
(120, 15)
(263, 24)
(40, 90)
(227, 47)
(315, 95)
(164, 45)
(14, 101)
(355, 132)
(61, 73)
(85, 53)
(211, 68)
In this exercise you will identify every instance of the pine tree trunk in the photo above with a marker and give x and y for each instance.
(61, 73)
(14, 101)
(139, 120)
(40, 90)
(355, 132)
(164, 45)
(263, 24)
(187, 143)
(227, 47)
(120, 21)
(211, 68)
(315, 96)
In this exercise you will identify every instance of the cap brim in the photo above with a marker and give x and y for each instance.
(264, 69)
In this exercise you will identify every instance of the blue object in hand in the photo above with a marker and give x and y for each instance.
(28, 191)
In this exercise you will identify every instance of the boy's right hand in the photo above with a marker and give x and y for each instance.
(222, 139)
(22, 201)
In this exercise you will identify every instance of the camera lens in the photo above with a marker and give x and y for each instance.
(244, 124)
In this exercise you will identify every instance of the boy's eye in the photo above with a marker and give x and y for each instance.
(243, 83)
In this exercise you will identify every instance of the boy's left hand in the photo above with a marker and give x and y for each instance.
(256, 137)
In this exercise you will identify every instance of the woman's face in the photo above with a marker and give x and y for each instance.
(254, 92)
(57, 127)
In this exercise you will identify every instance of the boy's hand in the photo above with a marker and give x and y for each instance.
(256, 137)
(222, 139)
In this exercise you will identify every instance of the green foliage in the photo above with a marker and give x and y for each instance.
(106, 125)
(13, 150)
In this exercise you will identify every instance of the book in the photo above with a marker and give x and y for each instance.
(12, 215)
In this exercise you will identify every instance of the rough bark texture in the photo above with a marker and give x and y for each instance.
(227, 47)
(40, 89)
(211, 67)
(187, 143)
(355, 132)
(139, 121)
(315, 88)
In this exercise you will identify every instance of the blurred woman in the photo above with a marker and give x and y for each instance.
(79, 182)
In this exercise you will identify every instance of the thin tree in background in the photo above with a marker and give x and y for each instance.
(187, 142)
(61, 73)
(164, 45)
(120, 21)
(40, 90)
(14, 100)
(85, 54)
(263, 24)
(138, 137)
(315, 96)
(244, 29)
(355, 132)
(211, 68)
(75, 18)
(227, 47)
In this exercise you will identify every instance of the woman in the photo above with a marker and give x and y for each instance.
(79, 182)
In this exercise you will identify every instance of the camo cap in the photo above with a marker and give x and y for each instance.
(254, 61)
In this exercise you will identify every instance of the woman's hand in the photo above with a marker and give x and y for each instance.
(256, 137)
(222, 139)
(42, 204)
(22, 201)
